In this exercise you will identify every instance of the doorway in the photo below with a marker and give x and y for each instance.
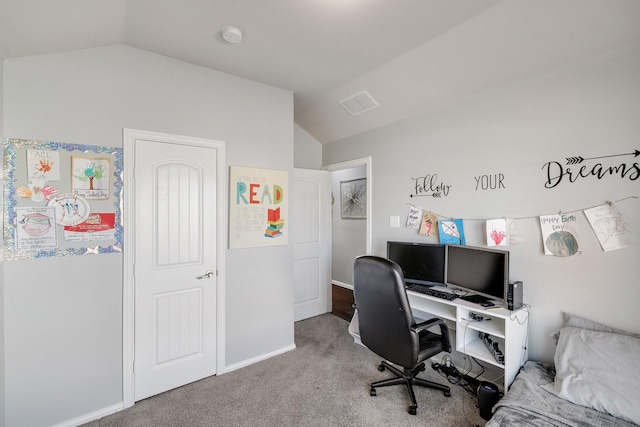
(174, 233)
(342, 261)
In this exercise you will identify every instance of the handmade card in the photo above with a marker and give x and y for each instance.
(451, 231)
(612, 230)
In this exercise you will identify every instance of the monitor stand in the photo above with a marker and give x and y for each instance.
(478, 299)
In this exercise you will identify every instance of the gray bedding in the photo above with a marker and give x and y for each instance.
(527, 404)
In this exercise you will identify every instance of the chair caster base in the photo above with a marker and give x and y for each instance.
(413, 409)
(381, 368)
(447, 393)
(372, 392)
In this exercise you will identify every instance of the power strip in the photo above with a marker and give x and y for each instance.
(492, 347)
(453, 374)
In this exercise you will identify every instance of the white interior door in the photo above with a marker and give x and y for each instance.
(311, 234)
(175, 265)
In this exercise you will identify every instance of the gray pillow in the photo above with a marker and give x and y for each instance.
(581, 322)
(599, 370)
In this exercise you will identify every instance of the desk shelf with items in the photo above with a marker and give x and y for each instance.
(495, 336)
(432, 305)
(480, 345)
(506, 328)
(482, 321)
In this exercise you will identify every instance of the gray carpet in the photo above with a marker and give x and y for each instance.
(324, 382)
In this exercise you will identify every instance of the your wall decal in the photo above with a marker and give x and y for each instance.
(490, 182)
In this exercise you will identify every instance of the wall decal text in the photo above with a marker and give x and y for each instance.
(489, 182)
(556, 172)
(429, 185)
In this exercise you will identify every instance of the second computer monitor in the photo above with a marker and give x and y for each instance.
(479, 270)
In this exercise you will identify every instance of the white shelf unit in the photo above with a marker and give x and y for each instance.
(507, 328)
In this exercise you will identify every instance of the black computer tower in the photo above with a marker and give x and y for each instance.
(514, 295)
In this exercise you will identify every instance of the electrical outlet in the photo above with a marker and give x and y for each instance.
(394, 221)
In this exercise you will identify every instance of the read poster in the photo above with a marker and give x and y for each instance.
(258, 207)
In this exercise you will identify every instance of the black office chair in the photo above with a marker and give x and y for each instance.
(388, 328)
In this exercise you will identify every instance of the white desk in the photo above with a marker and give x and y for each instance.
(507, 328)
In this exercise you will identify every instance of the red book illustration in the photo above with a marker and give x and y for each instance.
(273, 215)
(275, 223)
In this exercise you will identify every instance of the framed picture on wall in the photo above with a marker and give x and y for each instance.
(258, 207)
(353, 199)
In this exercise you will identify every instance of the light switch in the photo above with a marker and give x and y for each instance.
(394, 221)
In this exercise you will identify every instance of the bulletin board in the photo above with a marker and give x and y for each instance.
(61, 199)
(258, 207)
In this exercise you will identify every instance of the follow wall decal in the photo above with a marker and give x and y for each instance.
(429, 185)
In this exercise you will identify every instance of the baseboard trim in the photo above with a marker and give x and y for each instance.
(342, 284)
(92, 416)
(245, 363)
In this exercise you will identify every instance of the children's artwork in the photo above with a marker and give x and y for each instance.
(90, 177)
(414, 216)
(612, 230)
(559, 235)
(37, 191)
(43, 165)
(37, 201)
(451, 231)
(97, 226)
(70, 208)
(513, 232)
(36, 229)
(258, 207)
(497, 234)
(428, 224)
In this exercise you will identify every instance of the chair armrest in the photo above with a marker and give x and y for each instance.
(423, 326)
(444, 330)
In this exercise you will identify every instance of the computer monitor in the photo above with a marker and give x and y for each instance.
(421, 263)
(481, 271)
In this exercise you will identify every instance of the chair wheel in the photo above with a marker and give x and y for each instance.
(381, 368)
(413, 409)
(372, 392)
(447, 393)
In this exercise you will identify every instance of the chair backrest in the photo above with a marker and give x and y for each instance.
(384, 314)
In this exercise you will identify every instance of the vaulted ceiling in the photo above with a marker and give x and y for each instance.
(412, 56)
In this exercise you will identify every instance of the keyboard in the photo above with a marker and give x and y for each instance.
(426, 290)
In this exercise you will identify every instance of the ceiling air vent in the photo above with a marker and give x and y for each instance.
(359, 103)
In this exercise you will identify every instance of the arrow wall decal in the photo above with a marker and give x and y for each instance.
(578, 159)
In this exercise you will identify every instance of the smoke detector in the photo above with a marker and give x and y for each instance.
(232, 34)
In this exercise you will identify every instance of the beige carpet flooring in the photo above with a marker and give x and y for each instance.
(323, 382)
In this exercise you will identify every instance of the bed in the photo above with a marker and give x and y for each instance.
(594, 381)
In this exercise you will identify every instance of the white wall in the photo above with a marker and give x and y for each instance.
(589, 109)
(307, 150)
(348, 236)
(64, 315)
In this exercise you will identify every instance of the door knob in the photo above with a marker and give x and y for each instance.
(207, 275)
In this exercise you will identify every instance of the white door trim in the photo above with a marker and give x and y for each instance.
(366, 162)
(128, 303)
